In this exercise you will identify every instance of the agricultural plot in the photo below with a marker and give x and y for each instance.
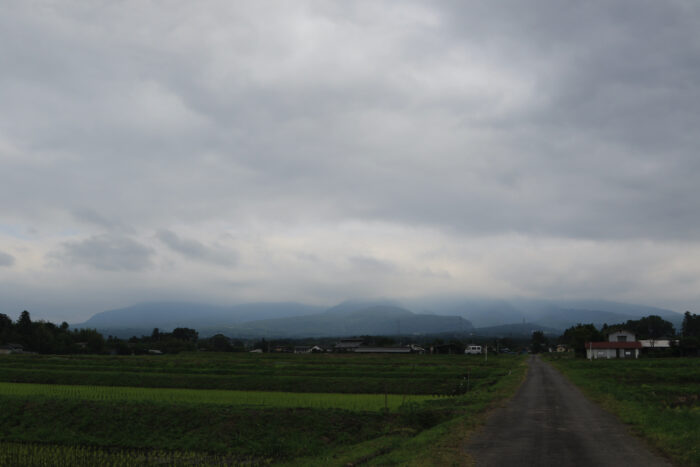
(268, 372)
(282, 420)
(257, 399)
(658, 398)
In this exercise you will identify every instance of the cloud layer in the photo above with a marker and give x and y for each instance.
(312, 151)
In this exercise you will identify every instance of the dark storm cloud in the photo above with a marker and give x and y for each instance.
(106, 252)
(6, 259)
(195, 250)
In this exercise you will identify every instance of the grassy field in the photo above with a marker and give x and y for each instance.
(233, 409)
(658, 398)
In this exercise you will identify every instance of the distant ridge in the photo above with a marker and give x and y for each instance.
(350, 321)
(357, 317)
(166, 316)
(557, 314)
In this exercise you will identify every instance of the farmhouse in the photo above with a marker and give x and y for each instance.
(620, 344)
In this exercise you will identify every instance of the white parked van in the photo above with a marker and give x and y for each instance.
(473, 350)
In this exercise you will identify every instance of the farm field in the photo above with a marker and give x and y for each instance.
(232, 409)
(658, 398)
(325, 373)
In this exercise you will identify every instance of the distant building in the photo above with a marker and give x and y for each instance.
(348, 345)
(382, 350)
(308, 349)
(356, 346)
(620, 344)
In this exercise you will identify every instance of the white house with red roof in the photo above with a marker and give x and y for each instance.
(620, 344)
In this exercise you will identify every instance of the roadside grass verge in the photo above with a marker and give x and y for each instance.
(657, 398)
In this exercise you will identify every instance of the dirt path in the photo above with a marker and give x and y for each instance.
(550, 423)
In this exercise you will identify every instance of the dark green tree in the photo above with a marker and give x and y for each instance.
(576, 337)
(539, 342)
(219, 343)
(185, 334)
(691, 325)
(650, 327)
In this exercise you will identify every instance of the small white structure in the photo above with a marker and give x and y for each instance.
(473, 350)
(656, 343)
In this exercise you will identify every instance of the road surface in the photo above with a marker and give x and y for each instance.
(550, 423)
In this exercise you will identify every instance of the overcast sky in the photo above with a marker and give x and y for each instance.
(229, 152)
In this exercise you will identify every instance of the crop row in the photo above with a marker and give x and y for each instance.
(292, 373)
(38, 455)
(266, 399)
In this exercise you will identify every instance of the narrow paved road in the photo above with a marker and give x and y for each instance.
(550, 423)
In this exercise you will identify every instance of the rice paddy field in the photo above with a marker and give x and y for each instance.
(245, 409)
(659, 398)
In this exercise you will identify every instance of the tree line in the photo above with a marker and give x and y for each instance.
(48, 338)
(652, 327)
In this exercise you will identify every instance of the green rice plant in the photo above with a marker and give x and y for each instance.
(326, 373)
(260, 399)
(40, 455)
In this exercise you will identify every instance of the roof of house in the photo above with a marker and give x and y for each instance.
(613, 345)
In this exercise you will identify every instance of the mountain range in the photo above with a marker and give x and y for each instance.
(370, 317)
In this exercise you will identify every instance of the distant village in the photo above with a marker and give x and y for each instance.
(648, 336)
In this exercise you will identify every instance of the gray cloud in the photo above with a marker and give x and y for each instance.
(371, 264)
(92, 217)
(195, 250)
(568, 120)
(106, 252)
(473, 120)
(6, 259)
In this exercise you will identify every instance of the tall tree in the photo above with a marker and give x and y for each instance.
(576, 337)
(538, 342)
(691, 325)
(651, 327)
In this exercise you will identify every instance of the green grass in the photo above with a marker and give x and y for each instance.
(658, 398)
